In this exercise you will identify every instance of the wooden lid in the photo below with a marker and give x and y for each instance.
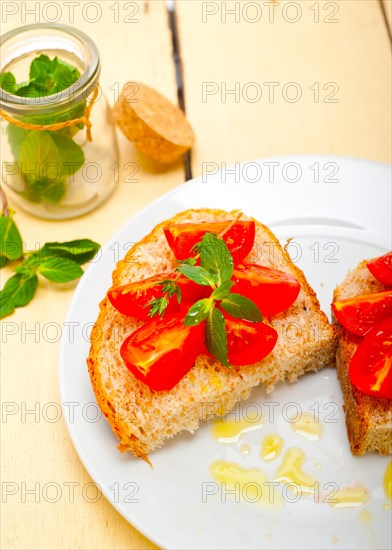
(156, 126)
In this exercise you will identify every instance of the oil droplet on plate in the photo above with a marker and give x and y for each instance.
(307, 426)
(388, 481)
(246, 449)
(290, 471)
(249, 485)
(271, 447)
(348, 497)
(230, 431)
(316, 463)
(365, 516)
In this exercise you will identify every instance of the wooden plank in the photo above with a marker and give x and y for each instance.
(277, 78)
(41, 451)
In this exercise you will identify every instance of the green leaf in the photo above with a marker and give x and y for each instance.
(10, 240)
(51, 191)
(215, 336)
(188, 261)
(42, 66)
(215, 257)
(242, 308)
(52, 75)
(72, 156)
(16, 136)
(28, 89)
(17, 292)
(64, 76)
(8, 82)
(197, 274)
(60, 270)
(3, 261)
(198, 312)
(47, 76)
(80, 251)
(40, 161)
(28, 267)
(39, 148)
(222, 291)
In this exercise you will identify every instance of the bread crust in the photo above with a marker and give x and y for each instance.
(368, 418)
(143, 419)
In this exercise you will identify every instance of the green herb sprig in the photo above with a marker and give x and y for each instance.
(57, 262)
(215, 270)
(45, 158)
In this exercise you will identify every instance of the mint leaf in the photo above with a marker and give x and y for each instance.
(3, 261)
(17, 292)
(72, 156)
(215, 336)
(60, 270)
(16, 136)
(215, 257)
(28, 89)
(242, 308)
(51, 75)
(198, 312)
(51, 191)
(64, 76)
(40, 160)
(222, 291)
(188, 261)
(10, 239)
(80, 251)
(8, 82)
(39, 148)
(46, 159)
(197, 274)
(28, 267)
(42, 66)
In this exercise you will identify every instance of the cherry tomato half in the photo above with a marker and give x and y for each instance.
(381, 268)
(162, 351)
(182, 237)
(370, 368)
(272, 290)
(132, 298)
(248, 343)
(361, 313)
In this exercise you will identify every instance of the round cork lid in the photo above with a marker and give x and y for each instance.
(156, 126)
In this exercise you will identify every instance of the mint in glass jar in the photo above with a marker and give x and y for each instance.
(60, 136)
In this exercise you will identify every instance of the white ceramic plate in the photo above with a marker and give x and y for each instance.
(338, 212)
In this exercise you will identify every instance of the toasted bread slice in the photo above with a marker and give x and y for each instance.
(143, 419)
(368, 419)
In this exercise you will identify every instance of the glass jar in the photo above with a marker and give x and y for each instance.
(51, 166)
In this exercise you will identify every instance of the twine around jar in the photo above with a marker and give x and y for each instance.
(85, 119)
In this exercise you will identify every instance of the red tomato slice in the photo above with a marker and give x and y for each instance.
(162, 351)
(272, 290)
(248, 343)
(381, 268)
(371, 365)
(131, 299)
(361, 313)
(182, 237)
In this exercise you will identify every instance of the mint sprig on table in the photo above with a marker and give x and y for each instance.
(57, 262)
(215, 270)
(45, 159)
